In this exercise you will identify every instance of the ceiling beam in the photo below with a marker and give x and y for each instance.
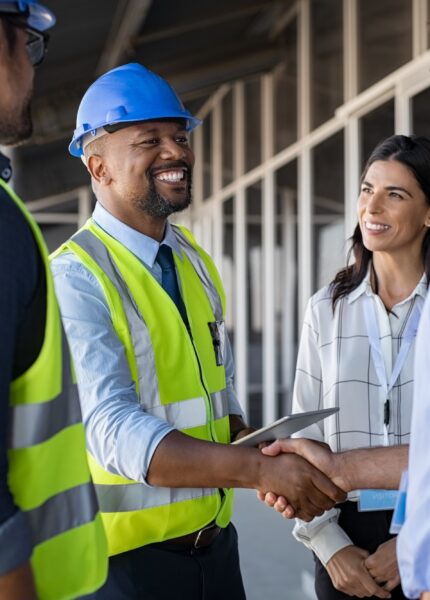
(199, 24)
(127, 22)
(55, 112)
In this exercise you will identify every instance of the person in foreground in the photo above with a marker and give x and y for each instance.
(357, 352)
(52, 544)
(143, 308)
(413, 545)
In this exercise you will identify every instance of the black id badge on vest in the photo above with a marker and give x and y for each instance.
(217, 329)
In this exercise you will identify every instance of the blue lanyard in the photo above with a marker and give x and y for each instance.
(376, 350)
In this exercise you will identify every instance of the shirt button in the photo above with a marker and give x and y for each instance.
(6, 173)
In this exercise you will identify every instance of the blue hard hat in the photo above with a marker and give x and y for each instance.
(38, 17)
(127, 94)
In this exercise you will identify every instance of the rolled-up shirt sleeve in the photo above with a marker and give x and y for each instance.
(413, 543)
(121, 436)
(233, 403)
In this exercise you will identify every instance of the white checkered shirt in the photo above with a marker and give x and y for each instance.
(335, 369)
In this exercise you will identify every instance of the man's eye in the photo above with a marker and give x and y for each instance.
(151, 141)
(182, 139)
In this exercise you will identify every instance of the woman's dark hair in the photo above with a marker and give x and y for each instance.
(414, 153)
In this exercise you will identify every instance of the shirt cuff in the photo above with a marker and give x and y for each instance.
(322, 535)
(329, 540)
(234, 407)
(15, 535)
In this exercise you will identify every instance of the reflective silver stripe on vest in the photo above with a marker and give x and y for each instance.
(183, 414)
(63, 512)
(147, 374)
(220, 405)
(201, 270)
(36, 423)
(137, 496)
(192, 412)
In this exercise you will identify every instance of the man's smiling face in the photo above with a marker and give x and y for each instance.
(148, 167)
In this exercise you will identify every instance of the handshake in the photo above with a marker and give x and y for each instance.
(316, 478)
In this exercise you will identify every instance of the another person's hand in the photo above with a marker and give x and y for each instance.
(317, 453)
(309, 491)
(425, 596)
(382, 565)
(349, 574)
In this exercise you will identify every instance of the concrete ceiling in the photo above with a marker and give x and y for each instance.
(197, 45)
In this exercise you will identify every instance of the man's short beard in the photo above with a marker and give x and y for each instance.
(17, 128)
(158, 207)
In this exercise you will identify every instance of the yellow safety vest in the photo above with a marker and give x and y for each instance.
(176, 375)
(48, 470)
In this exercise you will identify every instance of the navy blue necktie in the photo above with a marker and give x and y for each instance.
(169, 281)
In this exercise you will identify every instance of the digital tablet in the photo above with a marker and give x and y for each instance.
(285, 427)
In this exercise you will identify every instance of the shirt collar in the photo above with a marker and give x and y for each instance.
(365, 287)
(142, 246)
(5, 168)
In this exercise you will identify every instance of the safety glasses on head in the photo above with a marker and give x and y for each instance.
(36, 15)
(36, 43)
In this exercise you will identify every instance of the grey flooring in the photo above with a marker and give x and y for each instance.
(273, 564)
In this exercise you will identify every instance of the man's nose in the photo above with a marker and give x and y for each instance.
(172, 150)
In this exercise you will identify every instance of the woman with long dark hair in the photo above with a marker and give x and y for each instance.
(356, 353)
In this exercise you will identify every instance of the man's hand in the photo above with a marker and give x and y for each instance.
(382, 565)
(309, 491)
(348, 573)
(239, 428)
(318, 454)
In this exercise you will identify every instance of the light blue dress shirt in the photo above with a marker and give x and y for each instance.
(413, 543)
(120, 434)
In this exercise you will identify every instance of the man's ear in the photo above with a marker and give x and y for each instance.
(98, 170)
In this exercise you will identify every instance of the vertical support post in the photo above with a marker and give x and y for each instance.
(419, 27)
(217, 213)
(305, 231)
(268, 236)
(304, 64)
(350, 49)
(84, 205)
(241, 308)
(352, 173)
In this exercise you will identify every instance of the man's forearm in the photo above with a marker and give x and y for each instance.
(372, 467)
(183, 461)
(351, 470)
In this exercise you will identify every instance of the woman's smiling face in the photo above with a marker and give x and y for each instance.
(393, 212)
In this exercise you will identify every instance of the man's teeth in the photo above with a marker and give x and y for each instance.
(171, 176)
(376, 226)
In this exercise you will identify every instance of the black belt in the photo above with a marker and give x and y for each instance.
(198, 539)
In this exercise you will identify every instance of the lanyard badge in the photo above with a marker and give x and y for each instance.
(386, 499)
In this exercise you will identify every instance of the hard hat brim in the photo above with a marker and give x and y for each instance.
(40, 17)
(76, 149)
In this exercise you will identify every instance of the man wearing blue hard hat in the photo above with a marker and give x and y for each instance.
(52, 543)
(143, 308)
